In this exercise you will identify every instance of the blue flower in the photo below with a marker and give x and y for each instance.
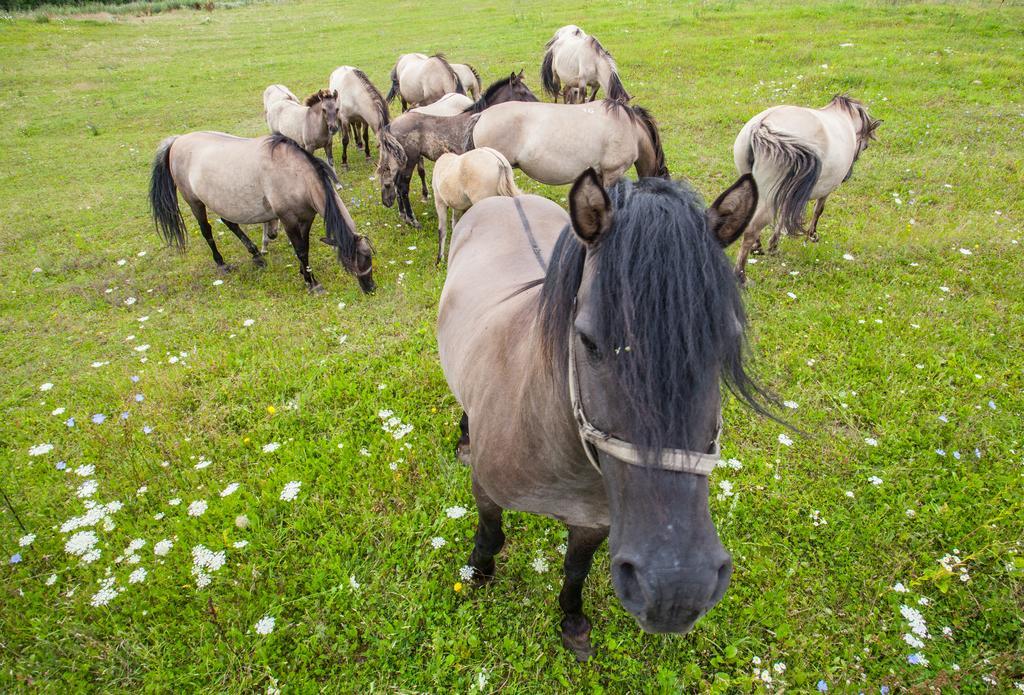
(884, 690)
(139, 398)
(124, 415)
(99, 418)
(16, 558)
(822, 687)
(70, 422)
(135, 379)
(61, 465)
(147, 429)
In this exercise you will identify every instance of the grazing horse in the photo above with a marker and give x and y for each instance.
(451, 104)
(360, 104)
(797, 155)
(555, 143)
(274, 93)
(469, 78)
(312, 124)
(592, 395)
(419, 135)
(462, 181)
(418, 79)
(574, 61)
(249, 181)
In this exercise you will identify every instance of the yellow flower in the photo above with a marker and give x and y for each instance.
(245, 440)
(433, 410)
(458, 586)
(271, 409)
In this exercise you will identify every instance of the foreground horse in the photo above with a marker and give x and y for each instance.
(469, 78)
(249, 181)
(797, 155)
(462, 181)
(555, 143)
(312, 124)
(417, 135)
(592, 395)
(360, 104)
(574, 61)
(418, 79)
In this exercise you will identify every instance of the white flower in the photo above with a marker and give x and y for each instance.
(265, 625)
(913, 641)
(271, 447)
(465, 573)
(875, 480)
(291, 491)
(58, 411)
(540, 565)
(248, 322)
(910, 513)
(915, 620)
(791, 295)
(40, 449)
(218, 282)
(87, 489)
(848, 256)
(455, 512)
(849, 493)
(353, 583)
(174, 502)
(871, 441)
(967, 252)
(81, 543)
(229, 490)
(141, 348)
(26, 540)
(51, 580)
(437, 542)
(240, 544)
(138, 576)
(784, 440)
(779, 667)
(792, 405)
(106, 594)
(242, 521)
(726, 487)
(85, 471)
(136, 544)
(816, 518)
(947, 631)
(130, 300)
(45, 387)
(205, 562)
(203, 463)
(163, 547)
(197, 508)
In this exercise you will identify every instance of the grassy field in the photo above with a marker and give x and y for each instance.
(897, 340)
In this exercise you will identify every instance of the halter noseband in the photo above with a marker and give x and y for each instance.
(593, 439)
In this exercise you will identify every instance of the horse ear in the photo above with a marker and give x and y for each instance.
(590, 209)
(520, 75)
(732, 211)
(335, 93)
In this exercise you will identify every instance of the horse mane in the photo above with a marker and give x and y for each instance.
(390, 145)
(641, 116)
(855, 107)
(663, 289)
(318, 96)
(472, 70)
(485, 98)
(459, 87)
(375, 96)
(601, 51)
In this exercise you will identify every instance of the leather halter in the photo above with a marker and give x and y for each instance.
(593, 439)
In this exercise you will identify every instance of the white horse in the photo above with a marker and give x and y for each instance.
(461, 181)
(449, 105)
(797, 155)
(469, 78)
(418, 79)
(359, 104)
(311, 124)
(574, 61)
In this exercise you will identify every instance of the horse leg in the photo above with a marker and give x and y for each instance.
(442, 226)
(366, 141)
(751, 236)
(269, 232)
(462, 449)
(344, 147)
(819, 207)
(773, 242)
(593, 94)
(405, 105)
(489, 537)
(257, 257)
(410, 216)
(329, 149)
(421, 170)
(199, 211)
(298, 234)
(583, 543)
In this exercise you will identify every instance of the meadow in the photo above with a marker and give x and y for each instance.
(221, 483)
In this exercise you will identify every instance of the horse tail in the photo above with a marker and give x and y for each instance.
(393, 92)
(506, 180)
(615, 89)
(342, 237)
(799, 167)
(548, 78)
(660, 168)
(163, 198)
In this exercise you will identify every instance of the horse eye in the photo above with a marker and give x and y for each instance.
(590, 346)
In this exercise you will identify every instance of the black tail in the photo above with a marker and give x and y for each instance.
(799, 167)
(615, 89)
(551, 83)
(341, 236)
(660, 168)
(459, 88)
(163, 198)
(393, 92)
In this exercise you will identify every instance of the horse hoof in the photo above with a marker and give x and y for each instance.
(260, 261)
(483, 575)
(576, 638)
(317, 289)
(464, 454)
(226, 267)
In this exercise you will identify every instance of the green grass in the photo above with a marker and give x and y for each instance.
(83, 105)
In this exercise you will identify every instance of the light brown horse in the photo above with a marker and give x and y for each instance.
(469, 78)
(418, 79)
(312, 124)
(360, 104)
(574, 61)
(587, 352)
(274, 93)
(797, 155)
(250, 181)
(449, 105)
(555, 143)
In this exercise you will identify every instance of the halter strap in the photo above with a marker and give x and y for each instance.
(593, 439)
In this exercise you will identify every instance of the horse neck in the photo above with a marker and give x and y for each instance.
(604, 73)
(647, 161)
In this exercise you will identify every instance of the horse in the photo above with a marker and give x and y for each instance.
(587, 351)
(555, 143)
(249, 181)
(274, 93)
(312, 124)
(417, 135)
(450, 104)
(462, 181)
(418, 79)
(574, 61)
(469, 78)
(360, 104)
(797, 155)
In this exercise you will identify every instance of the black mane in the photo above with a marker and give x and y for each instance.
(664, 288)
(375, 95)
(485, 99)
